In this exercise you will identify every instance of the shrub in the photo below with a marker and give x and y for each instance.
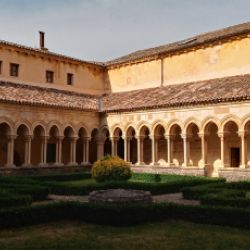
(15, 200)
(111, 168)
(111, 214)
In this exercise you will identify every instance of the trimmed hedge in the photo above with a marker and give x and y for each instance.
(62, 177)
(154, 188)
(110, 214)
(15, 200)
(37, 192)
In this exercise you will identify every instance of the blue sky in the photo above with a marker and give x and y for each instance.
(104, 29)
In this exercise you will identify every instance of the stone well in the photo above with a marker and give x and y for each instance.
(120, 196)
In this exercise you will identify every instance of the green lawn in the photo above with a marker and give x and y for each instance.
(165, 235)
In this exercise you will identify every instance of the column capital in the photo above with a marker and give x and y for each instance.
(167, 136)
(221, 135)
(59, 138)
(241, 133)
(11, 137)
(139, 137)
(73, 139)
(114, 138)
(184, 136)
(86, 138)
(201, 134)
(28, 137)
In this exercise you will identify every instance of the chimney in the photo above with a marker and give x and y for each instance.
(42, 47)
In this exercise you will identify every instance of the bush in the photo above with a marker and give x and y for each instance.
(15, 201)
(111, 168)
(62, 177)
(172, 186)
(118, 215)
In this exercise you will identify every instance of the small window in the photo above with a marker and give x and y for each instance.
(70, 78)
(0, 67)
(14, 68)
(49, 76)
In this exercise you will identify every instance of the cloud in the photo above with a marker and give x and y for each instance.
(104, 29)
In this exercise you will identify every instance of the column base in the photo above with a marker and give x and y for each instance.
(9, 165)
(42, 165)
(26, 165)
(139, 163)
(154, 164)
(57, 164)
(72, 164)
(86, 163)
(242, 166)
(171, 165)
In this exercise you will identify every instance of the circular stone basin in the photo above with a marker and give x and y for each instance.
(120, 196)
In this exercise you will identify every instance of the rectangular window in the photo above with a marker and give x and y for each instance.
(14, 68)
(70, 78)
(49, 76)
(0, 67)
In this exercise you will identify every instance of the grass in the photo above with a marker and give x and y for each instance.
(169, 235)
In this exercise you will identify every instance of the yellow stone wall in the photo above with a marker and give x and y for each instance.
(135, 76)
(87, 78)
(227, 59)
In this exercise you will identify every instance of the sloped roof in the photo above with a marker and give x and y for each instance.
(48, 97)
(206, 38)
(220, 90)
(228, 89)
(46, 52)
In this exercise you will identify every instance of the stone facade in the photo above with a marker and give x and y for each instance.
(181, 108)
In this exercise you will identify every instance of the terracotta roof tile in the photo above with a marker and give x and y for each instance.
(192, 42)
(32, 95)
(228, 89)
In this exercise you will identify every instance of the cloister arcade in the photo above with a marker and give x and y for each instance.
(211, 143)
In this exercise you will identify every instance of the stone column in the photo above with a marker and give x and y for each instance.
(10, 151)
(168, 138)
(59, 150)
(221, 135)
(153, 148)
(114, 141)
(100, 149)
(243, 149)
(185, 150)
(126, 148)
(72, 160)
(27, 150)
(44, 150)
(85, 151)
(140, 150)
(203, 149)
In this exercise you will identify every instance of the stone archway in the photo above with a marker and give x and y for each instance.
(107, 147)
(232, 145)
(82, 147)
(212, 148)
(5, 132)
(160, 145)
(176, 145)
(37, 145)
(119, 143)
(145, 145)
(22, 146)
(131, 146)
(194, 145)
(69, 146)
(93, 146)
(54, 151)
